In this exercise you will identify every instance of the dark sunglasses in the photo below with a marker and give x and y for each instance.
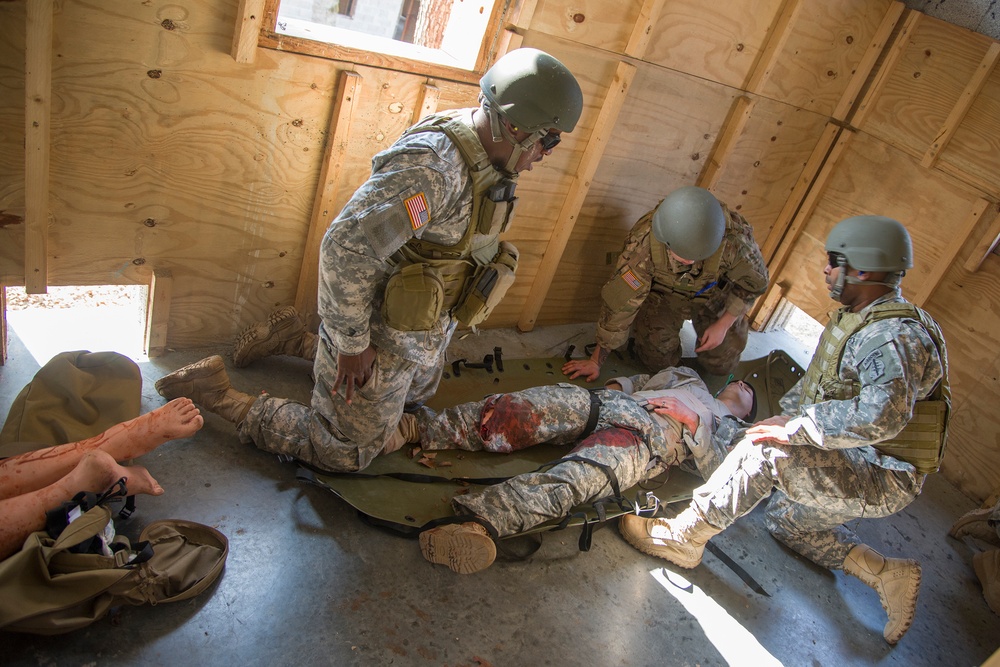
(833, 258)
(550, 141)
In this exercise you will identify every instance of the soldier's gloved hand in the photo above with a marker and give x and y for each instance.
(354, 370)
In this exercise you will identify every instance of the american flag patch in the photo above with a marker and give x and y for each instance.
(416, 208)
(631, 280)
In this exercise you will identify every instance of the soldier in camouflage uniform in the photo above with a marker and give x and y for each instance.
(630, 431)
(691, 258)
(414, 252)
(843, 448)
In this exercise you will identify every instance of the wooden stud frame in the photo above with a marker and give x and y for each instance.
(338, 136)
(37, 109)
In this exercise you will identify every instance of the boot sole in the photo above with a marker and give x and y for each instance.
(910, 604)
(180, 382)
(255, 335)
(644, 544)
(463, 550)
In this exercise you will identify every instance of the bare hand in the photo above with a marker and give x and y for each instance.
(712, 336)
(777, 420)
(768, 432)
(585, 368)
(671, 407)
(355, 370)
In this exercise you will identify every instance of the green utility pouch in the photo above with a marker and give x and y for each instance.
(922, 441)
(414, 298)
(496, 209)
(488, 286)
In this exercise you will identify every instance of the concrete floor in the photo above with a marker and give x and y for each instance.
(308, 583)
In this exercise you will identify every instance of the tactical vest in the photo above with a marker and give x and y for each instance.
(431, 278)
(693, 288)
(923, 439)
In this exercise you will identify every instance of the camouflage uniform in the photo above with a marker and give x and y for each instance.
(634, 443)
(659, 311)
(829, 472)
(353, 271)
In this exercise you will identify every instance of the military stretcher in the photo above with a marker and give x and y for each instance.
(408, 492)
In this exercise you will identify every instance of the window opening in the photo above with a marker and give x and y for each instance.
(802, 330)
(442, 32)
(96, 318)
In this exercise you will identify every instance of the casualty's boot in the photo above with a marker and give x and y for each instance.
(406, 432)
(283, 332)
(464, 547)
(987, 567)
(897, 582)
(680, 540)
(206, 383)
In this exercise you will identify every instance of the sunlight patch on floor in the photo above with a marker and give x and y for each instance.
(95, 318)
(734, 642)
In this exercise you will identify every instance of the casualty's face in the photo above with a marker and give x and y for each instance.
(740, 398)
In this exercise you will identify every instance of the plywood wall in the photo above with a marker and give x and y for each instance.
(171, 159)
(923, 152)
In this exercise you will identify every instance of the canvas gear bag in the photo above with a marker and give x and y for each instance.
(49, 588)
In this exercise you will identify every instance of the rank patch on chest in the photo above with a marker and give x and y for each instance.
(416, 209)
(631, 280)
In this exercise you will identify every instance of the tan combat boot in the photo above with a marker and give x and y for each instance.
(977, 524)
(206, 383)
(464, 547)
(987, 567)
(406, 433)
(680, 540)
(283, 332)
(897, 582)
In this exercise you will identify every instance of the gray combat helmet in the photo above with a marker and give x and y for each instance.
(690, 221)
(872, 243)
(534, 91)
(869, 243)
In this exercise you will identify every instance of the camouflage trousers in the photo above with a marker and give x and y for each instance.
(657, 332)
(814, 492)
(626, 439)
(330, 434)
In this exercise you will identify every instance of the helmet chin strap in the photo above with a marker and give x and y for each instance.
(500, 133)
(843, 279)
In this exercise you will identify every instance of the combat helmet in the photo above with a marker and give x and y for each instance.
(869, 243)
(534, 92)
(690, 221)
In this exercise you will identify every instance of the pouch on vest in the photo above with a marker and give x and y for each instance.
(922, 441)
(496, 208)
(414, 298)
(47, 589)
(488, 286)
(616, 293)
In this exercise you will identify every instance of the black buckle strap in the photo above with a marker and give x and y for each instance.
(595, 413)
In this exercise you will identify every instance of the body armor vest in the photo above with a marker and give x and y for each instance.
(432, 278)
(922, 440)
(694, 288)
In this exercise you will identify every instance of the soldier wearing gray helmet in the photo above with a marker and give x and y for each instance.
(414, 253)
(691, 258)
(857, 436)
